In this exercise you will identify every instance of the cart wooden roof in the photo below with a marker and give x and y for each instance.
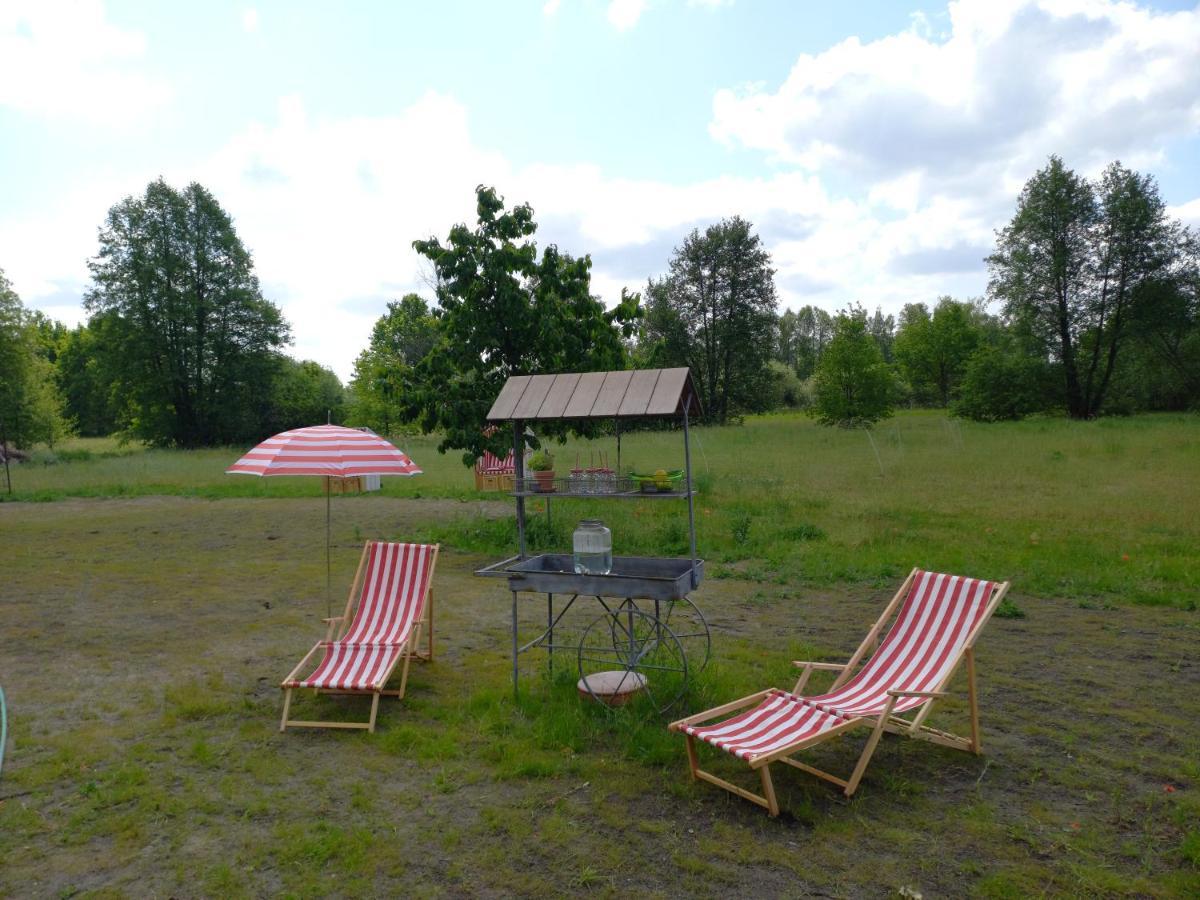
(596, 395)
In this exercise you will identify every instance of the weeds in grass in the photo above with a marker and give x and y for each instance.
(1008, 609)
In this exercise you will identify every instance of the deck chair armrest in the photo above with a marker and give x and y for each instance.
(829, 667)
(809, 668)
(918, 694)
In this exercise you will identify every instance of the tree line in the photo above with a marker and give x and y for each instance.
(1095, 292)
(180, 347)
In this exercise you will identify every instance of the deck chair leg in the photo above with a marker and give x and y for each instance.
(374, 711)
(769, 791)
(413, 642)
(693, 760)
(287, 702)
(973, 699)
(868, 751)
(429, 613)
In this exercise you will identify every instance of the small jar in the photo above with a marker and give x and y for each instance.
(592, 543)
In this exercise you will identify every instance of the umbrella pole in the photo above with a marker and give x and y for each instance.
(328, 599)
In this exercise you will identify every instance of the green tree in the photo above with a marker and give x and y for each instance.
(30, 406)
(189, 334)
(932, 350)
(883, 330)
(1165, 327)
(302, 393)
(715, 312)
(814, 330)
(1001, 382)
(502, 311)
(852, 386)
(400, 339)
(1071, 266)
(87, 386)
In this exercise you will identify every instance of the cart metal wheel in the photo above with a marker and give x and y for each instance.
(685, 621)
(684, 618)
(641, 651)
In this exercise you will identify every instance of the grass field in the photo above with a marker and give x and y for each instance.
(1098, 511)
(142, 638)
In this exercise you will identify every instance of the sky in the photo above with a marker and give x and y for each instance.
(876, 146)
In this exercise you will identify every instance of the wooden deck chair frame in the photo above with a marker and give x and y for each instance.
(885, 721)
(422, 627)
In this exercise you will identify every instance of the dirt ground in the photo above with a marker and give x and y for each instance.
(142, 642)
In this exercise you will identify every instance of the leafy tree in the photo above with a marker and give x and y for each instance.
(1165, 327)
(400, 339)
(814, 331)
(785, 390)
(1071, 266)
(787, 340)
(302, 393)
(932, 350)
(87, 387)
(503, 311)
(883, 330)
(715, 312)
(853, 386)
(189, 332)
(1000, 382)
(30, 407)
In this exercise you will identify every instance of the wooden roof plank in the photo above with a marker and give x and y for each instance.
(638, 394)
(531, 400)
(668, 392)
(580, 404)
(612, 392)
(560, 394)
(628, 393)
(508, 398)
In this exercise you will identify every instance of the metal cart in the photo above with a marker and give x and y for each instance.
(649, 636)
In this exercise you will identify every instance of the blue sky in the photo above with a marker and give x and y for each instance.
(875, 145)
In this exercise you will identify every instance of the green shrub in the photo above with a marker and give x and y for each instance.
(1002, 384)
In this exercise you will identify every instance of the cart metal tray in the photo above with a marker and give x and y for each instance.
(649, 578)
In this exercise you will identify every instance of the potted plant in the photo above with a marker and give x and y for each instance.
(541, 464)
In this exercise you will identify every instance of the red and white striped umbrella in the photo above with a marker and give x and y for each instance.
(324, 450)
(328, 450)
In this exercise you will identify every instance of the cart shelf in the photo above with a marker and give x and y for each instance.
(649, 578)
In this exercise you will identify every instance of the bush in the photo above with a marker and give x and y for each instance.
(1002, 384)
(786, 389)
(854, 387)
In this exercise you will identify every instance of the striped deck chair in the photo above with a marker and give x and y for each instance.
(939, 620)
(395, 601)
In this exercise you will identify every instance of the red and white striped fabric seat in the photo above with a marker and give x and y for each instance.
(937, 618)
(351, 667)
(780, 720)
(491, 464)
(392, 598)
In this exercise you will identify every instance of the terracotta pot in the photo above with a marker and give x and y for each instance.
(544, 481)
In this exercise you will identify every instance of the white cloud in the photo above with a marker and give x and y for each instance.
(897, 160)
(624, 14)
(551, 7)
(250, 19)
(66, 59)
(1011, 83)
(1188, 213)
